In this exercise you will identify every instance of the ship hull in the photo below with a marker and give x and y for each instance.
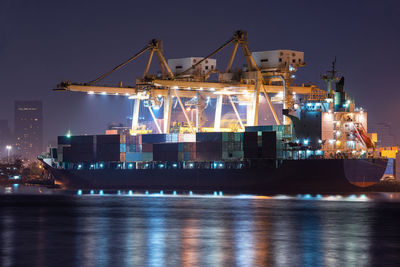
(275, 176)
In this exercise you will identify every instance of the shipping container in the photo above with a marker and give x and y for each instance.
(153, 138)
(64, 140)
(147, 156)
(122, 148)
(134, 156)
(108, 139)
(108, 132)
(82, 139)
(208, 137)
(122, 157)
(147, 147)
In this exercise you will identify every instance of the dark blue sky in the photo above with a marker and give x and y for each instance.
(44, 42)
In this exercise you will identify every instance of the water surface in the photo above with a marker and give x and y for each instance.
(93, 230)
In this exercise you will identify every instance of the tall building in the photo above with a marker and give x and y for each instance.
(5, 138)
(28, 129)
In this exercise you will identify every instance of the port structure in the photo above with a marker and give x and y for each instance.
(259, 78)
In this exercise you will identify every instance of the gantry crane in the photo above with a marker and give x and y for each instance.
(197, 86)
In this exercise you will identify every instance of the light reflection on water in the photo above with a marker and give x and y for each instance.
(173, 231)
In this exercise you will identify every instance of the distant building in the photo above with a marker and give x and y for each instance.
(28, 129)
(5, 138)
(385, 136)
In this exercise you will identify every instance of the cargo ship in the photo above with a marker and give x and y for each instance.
(319, 144)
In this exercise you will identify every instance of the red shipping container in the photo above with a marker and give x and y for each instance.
(147, 147)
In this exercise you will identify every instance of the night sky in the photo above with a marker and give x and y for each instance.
(45, 42)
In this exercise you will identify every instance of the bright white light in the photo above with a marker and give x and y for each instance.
(201, 88)
(104, 93)
(8, 147)
(305, 142)
(116, 94)
(159, 95)
(320, 141)
(175, 87)
(90, 93)
(126, 94)
(212, 89)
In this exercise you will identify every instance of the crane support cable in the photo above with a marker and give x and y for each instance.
(210, 55)
(119, 66)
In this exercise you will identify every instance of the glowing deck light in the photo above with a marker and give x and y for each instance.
(221, 165)
(161, 192)
(201, 88)
(147, 192)
(215, 193)
(119, 192)
(91, 165)
(175, 87)
(191, 165)
(363, 196)
(101, 165)
(174, 165)
(126, 94)
(320, 141)
(116, 94)
(101, 192)
(79, 192)
(91, 192)
(190, 193)
(305, 142)
(90, 93)
(104, 93)
(161, 165)
(130, 165)
(220, 193)
(299, 195)
(318, 196)
(130, 193)
(307, 196)
(79, 166)
(174, 193)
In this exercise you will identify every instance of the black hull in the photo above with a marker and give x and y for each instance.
(287, 176)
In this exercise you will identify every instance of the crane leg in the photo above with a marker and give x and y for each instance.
(135, 115)
(167, 111)
(249, 113)
(184, 113)
(218, 112)
(155, 120)
(256, 102)
(236, 112)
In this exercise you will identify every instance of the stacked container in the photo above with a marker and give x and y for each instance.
(232, 145)
(108, 148)
(209, 146)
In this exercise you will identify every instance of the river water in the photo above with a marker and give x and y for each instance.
(159, 230)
